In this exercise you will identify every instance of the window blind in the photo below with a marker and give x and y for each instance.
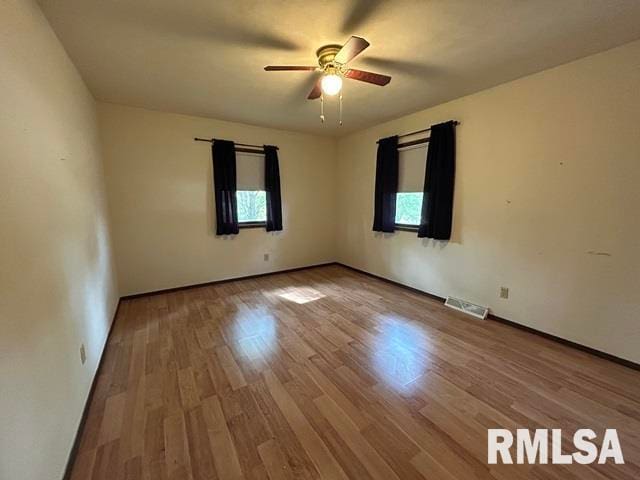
(250, 171)
(411, 168)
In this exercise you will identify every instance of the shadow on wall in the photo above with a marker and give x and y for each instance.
(456, 238)
(442, 244)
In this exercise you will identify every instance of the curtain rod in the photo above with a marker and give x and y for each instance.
(455, 123)
(259, 147)
(413, 143)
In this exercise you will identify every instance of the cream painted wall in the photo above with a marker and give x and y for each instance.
(57, 286)
(546, 202)
(160, 195)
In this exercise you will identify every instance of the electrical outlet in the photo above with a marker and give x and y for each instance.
(83, 354)
(266, 257)
(504, 292)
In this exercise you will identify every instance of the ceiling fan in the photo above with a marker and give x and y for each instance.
(332, 60)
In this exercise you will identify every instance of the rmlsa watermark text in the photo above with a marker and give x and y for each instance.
(537, 446)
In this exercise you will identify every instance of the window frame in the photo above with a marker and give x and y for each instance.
(259, 224)
(406, 227)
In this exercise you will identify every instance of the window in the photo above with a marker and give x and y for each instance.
(408, 209)
(250, 194)
(411, 167)
(252, 207)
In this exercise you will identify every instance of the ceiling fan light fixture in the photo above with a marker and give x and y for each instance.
(332, 62)
(331, 84)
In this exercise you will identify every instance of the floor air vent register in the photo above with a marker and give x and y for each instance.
(467, 307)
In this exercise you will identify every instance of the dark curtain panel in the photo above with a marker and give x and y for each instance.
(272, 187)
(384, 215)
(224, 185)
(437, 203)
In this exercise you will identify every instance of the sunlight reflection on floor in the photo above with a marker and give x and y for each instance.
(301, 295)
(401, 354)
(256, 331)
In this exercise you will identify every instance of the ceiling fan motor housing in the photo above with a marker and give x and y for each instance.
(327, 54)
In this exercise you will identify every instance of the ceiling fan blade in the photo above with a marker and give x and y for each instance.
(351, 49)
(369, 77)
(286, 68)
(315, 92)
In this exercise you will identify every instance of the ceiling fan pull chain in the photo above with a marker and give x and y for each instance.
(340, 114)
(322, 107)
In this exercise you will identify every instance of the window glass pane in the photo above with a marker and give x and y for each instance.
(408, 207)
(252, 206)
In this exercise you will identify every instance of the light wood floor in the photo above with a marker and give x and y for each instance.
(327, 373)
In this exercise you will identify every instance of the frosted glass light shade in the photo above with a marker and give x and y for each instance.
(331, 84)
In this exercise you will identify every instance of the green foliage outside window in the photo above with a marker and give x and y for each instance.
(252, 206)
(408, 207)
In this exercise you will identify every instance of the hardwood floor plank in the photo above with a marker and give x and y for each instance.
(133, 469)
(324, 461)
(225, 455)
(171, 387)
(204, 383)
(250, 462)
(200, 452)
(431, 439)
(154, 452)
(396, 453)
(189, 397)
(373, 462)
(176, 449)
(275, 461)
(230, 367)
(112, 418)
(356, 415)
(339, 449)
(132, 438)
(430, 468)
(106, 465)
(83, 466)
(295, 454)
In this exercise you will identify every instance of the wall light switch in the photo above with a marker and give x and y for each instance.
(504, 292)
(83, 354)
(266, 257)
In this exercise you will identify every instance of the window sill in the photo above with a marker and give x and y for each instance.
(406, 228)
(252, 225)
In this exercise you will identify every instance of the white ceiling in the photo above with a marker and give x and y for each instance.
(206, 57)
